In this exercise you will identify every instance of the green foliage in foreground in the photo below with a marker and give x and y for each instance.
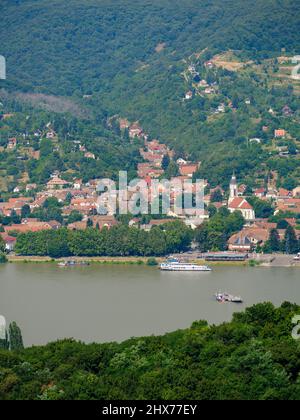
(252, 357)
(117, 241)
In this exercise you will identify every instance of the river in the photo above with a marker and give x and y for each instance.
(115, 302)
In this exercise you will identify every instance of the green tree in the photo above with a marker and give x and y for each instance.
(25, 211)
(15, 337)
(290, 241)
(217, 196)
(165, 162)
(274, 239)
(2, 244)
(74, 216)
(89, 223)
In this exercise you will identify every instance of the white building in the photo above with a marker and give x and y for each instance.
(296, 59)
(236, 203)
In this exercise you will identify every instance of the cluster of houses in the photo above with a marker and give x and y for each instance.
(257, 231)
(84, 197)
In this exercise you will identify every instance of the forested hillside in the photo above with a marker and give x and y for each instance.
(131, 58)
(254, 357)
(77, 46)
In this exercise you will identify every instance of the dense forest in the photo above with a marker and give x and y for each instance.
(253, 357)
(84, 45)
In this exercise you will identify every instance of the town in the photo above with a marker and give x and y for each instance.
(267, 211)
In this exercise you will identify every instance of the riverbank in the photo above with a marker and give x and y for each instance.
(274, 260)
(92, 260)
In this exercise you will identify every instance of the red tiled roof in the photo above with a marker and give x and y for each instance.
(240, 203)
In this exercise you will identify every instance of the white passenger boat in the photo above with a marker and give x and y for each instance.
(173, 264)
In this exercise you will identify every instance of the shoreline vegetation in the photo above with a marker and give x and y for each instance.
(255, 352)
(283, 261)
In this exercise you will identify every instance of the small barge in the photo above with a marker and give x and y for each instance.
(226, 297)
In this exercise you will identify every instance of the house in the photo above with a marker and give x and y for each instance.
(260, 192)
(221, 108)
(50, 134)
(104, 221)
(29, 226)
(264, 224)
(146, 169)
(181, 161)
(80, 204)
(255, 140)
(135, 130)
(296, 192)
(189, 95)
(57, 183)
(287, 112)
(15, 204)
(89, 155)
(82, 225)
(189, 169)
(203, 83)
(248, 239)
(209, 91)
(12, 143)
(283, 193)
(280, 133)
(291, 205)
(209, 64)
(242, 189)
(77, 185)
(236, 203)
(296, 59)
(195, 222)
(9, 241)
(124, 123)
(156, 147)
(30, 187)
(155, 160)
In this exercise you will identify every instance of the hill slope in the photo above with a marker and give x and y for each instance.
(64, 48)
(131, 57)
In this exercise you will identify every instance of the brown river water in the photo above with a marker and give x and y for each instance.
(115, 302)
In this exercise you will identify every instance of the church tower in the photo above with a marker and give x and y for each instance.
(233, 188)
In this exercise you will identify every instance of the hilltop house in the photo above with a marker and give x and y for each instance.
(280, 133)
(135, 130)
(12, 143)
(89, 155)
(189, 169)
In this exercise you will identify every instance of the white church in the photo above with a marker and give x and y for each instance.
(236, 203)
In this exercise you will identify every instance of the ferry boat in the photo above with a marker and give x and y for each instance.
(226, 297)
(173, 264)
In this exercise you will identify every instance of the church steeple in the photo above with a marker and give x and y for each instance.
(233, 188)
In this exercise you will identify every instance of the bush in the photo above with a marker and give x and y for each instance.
(152, 262)
(3, 258)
